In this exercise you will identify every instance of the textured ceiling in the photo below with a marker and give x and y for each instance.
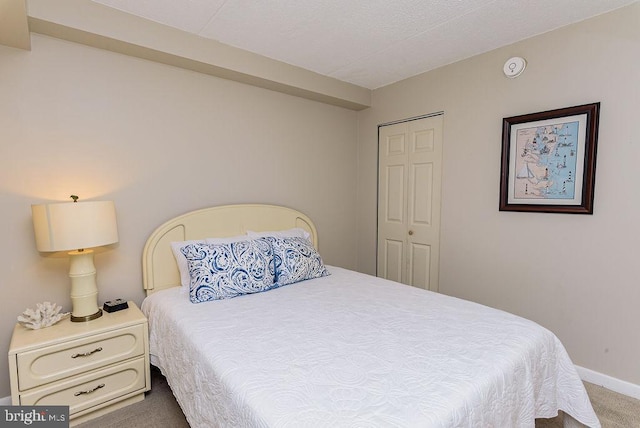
(370, 43)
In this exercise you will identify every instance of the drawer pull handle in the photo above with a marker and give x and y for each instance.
(86, 354)
(89, 391)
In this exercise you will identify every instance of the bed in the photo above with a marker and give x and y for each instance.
(344, 349)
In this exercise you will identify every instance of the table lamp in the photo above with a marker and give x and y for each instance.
(77, 226)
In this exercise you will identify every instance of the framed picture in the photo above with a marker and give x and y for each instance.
(549, 160)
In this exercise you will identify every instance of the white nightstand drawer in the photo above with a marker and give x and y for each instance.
(52, 363)
(92, 389)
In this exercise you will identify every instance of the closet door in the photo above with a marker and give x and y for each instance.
(409, 194)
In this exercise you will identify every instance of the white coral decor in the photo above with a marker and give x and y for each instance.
(45, 315)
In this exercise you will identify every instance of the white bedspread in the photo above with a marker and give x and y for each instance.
(351, 350)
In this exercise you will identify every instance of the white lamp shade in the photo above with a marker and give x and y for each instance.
(74, 225)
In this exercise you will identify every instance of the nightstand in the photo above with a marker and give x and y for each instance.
(93, 367)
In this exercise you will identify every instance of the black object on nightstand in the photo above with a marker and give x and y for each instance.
(115, 305)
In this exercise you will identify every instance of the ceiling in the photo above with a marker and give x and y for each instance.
(369, 43)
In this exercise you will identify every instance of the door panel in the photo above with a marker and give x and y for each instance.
(421, 194)
(423, 140)
(396, 144)
(393, 191)
(393, 255)
(419, 265)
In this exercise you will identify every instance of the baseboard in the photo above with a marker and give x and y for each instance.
(616, 385)
(5, 401)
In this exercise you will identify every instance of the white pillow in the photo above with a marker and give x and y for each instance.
(296, 232)
(181, 260)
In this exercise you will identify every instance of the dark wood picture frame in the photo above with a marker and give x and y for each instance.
(549, 160)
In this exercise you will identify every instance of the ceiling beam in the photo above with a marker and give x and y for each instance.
(93, 24)
(14, 30)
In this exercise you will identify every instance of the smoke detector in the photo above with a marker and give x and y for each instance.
(514, 67)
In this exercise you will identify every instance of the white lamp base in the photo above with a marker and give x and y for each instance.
(84, 291)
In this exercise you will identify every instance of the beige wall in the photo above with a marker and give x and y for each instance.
(159, 141)
(575, 274)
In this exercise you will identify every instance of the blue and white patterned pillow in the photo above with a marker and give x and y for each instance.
(223, 271)
(295, 260)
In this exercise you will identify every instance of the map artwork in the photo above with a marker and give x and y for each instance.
(545, 162)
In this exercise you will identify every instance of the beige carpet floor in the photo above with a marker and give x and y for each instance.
(159, 409)
(614, 410)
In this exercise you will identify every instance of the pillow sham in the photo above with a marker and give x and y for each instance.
(183, 266)
(223, 271)
(295, 259)
(288, 233)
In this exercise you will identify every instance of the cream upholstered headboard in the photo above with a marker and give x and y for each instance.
(159, 268)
